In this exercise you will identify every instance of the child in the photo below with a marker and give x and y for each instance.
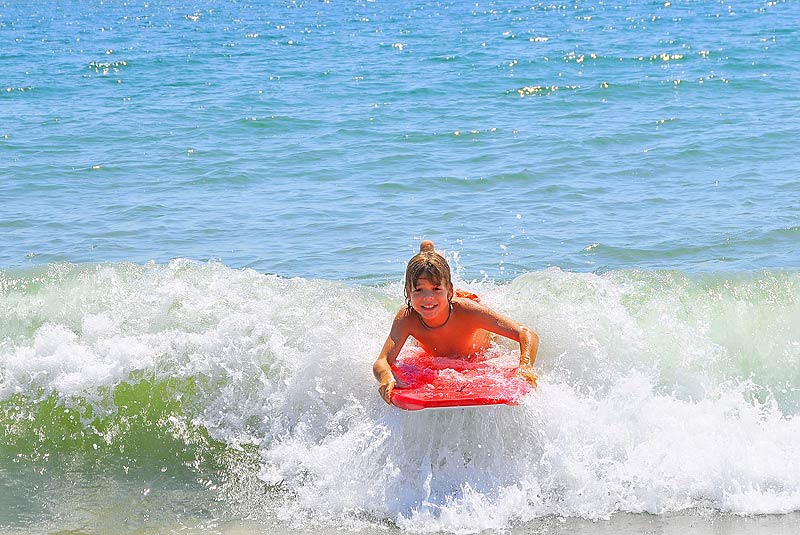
(444, 325)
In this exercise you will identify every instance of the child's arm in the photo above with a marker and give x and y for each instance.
(528, 347)
(527, 338)
(382, 369)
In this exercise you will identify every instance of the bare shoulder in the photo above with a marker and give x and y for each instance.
(404, 314)
(479, 313)
(402, 321)
(469, 305)
(470, 309)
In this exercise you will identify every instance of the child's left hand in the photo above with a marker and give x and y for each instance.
(527, 373)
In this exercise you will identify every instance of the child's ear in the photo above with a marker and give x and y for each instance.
(450, 292)
(407, 295)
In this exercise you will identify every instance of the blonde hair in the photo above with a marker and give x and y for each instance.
(429, 264)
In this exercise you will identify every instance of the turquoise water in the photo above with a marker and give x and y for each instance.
(321, 139)
(205, 212)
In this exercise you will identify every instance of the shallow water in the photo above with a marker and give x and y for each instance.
(186, 393)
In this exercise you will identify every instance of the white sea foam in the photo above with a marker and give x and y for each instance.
(659, 392)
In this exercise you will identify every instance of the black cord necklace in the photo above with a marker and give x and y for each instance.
(449, 313)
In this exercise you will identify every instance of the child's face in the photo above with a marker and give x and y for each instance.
(429, 299)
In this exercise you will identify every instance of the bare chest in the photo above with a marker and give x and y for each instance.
(452, 340)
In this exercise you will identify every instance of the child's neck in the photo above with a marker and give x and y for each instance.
(429, 327)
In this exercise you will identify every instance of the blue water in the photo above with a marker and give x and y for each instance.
(323, 139)
(205, 213)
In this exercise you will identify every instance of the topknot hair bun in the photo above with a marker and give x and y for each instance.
(426, 246)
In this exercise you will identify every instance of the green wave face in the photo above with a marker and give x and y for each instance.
(194, 396)
(140, 463)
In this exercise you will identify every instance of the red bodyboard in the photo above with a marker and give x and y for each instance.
(436, 382)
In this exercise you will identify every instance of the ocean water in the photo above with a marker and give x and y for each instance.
(205, 212)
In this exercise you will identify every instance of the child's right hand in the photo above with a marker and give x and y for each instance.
(386, 389)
